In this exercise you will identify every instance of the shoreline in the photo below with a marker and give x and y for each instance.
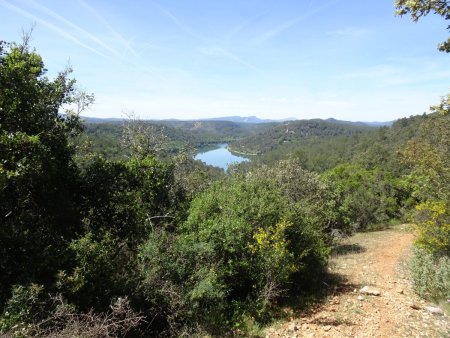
(240, 152)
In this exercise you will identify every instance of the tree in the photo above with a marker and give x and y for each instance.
(420, 8)
(143, 138)
(38, 178)
(361, 197)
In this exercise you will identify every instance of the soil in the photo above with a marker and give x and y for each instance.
(378, 260)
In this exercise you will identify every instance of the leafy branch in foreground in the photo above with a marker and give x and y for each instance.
(420, 8)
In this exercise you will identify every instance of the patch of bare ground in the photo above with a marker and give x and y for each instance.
(378, 260)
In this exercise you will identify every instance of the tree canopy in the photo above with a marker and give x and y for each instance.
(420, 8)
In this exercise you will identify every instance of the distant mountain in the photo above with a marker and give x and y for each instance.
(248, 119)
(240, 119)
(361, 123)
(112, 120)
(380, 124)
(235, 119)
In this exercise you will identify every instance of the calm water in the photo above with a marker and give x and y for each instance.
(220, 157)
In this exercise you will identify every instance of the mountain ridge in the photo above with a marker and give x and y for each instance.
(242, 119)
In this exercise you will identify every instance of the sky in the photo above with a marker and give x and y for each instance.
(190, 59)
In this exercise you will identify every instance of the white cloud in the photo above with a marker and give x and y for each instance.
(119, 37)
(271, 33)
(52, 27)
(72, 25)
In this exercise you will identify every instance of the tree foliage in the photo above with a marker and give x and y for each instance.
(242, 248)
(362, 197)
(37, 174)
(420, 8)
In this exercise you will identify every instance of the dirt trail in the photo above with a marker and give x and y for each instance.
(376, 259)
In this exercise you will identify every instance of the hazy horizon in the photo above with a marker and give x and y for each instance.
(124, 117)
(348, 60)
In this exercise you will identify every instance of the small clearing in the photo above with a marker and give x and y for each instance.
(377, 260)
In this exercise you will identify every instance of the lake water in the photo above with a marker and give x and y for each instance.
(220, 157)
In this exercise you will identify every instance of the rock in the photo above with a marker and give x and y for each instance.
(327, 328)
(415, 306)
(400, 291)
(293, 327)
(369, 290)
(360, 298)
(434, 310)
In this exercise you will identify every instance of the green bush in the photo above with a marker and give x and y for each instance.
(242, 248)
(430, 275)
(120, 203)
(433, 228)
(25, 306)
(430, 265)
(361, 197)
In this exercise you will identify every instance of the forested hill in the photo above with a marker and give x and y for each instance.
(359, 123)
(273, 140)
(294, 131)
(213, 128)
(366, 146)
(216, 130)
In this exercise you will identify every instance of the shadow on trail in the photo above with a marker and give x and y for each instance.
(332, 322)
(307, 302)
(348, 249)
(310, 301)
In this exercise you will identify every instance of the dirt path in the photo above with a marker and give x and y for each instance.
(376, 259)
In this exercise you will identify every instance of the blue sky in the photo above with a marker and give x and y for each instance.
(348, 59)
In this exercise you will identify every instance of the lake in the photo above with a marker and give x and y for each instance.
(220, 157)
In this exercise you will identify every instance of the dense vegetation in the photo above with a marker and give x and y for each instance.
(114, 230)
(427, 157)
(103, 136)
(292, 132)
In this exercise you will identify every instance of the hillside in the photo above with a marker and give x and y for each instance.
(212, 131)
(367, 147)
(360, 123)
(293, 132)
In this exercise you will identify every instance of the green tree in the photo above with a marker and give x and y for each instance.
(361, 197)
(420, 8)
(38, 178)
(121, 203)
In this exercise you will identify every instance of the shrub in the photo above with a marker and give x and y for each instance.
(430, 265)
(242, 248)
(430, 275)
(25, 306)
(361, 197)
(433, 227)
(61, 320)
